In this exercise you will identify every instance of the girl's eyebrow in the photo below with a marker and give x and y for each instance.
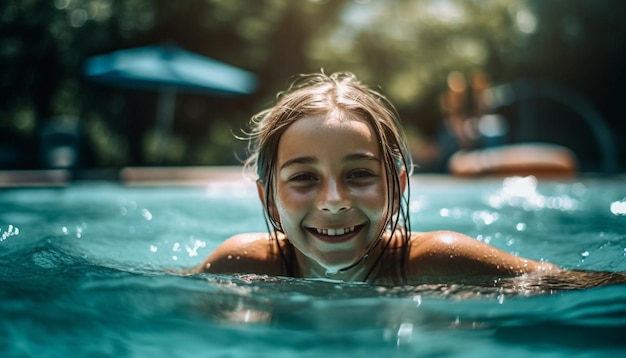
(298, 160)
(312, 159)
(361, 156)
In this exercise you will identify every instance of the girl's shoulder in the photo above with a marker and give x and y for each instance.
(427, 242)
(443, 247)
(253, 252)
(436, 240)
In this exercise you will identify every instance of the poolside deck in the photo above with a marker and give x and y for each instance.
(189, 176)
(155, 176)
(34, 178)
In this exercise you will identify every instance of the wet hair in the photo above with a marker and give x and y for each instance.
(320, 94)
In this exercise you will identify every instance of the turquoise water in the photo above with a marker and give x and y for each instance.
(83, 274)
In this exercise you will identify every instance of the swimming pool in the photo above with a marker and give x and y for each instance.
(83, 273)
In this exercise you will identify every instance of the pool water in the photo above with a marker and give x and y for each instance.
(84, 273)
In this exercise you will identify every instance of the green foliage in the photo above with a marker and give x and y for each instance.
(406, 46)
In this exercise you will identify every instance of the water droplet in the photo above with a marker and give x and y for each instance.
(618, 207)
(405, 333)
(154, 248)
(11, 231)
(146, 214)
(585, 254)
(331, 272)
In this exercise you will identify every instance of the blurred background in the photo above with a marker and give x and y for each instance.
(462, 74)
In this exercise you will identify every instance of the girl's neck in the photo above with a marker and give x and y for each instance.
(362, 270)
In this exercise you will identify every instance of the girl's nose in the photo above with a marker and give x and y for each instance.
(333, 197)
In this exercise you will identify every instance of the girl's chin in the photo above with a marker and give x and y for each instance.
(335, 265)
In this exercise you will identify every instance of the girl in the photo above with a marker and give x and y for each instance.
(333, 168)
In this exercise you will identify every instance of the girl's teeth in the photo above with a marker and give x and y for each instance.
(335, 232)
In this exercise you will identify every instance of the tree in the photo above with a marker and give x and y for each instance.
(408, 47)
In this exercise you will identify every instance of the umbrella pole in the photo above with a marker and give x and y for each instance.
(165, 114)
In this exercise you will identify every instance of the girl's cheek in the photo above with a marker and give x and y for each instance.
(373, 197)
(293, 199)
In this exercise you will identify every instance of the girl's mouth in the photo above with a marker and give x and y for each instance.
(336, 235)
(335, 232)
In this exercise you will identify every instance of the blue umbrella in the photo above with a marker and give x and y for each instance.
(168, 70)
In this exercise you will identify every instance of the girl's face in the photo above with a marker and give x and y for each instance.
(331, 189)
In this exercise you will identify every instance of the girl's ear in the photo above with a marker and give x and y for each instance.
(273, 213)
(403, 179)
(261, 191)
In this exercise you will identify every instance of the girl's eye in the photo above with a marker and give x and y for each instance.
(361, 174)
(302, 178)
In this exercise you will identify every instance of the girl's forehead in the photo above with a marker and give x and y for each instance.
(334, 123)
(327, 137)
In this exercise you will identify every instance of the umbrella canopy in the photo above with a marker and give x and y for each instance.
(168, 70)
(167, 66)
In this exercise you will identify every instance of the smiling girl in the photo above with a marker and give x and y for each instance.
(333, 167)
